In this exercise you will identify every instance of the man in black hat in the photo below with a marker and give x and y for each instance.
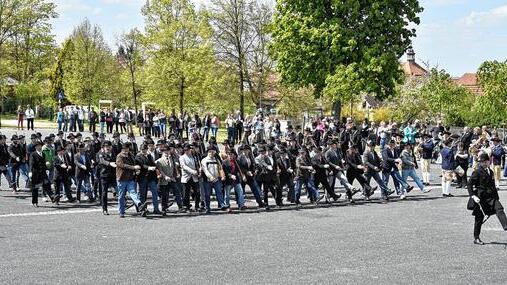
(38, 176)
(213, 178)
(117, 144)
(4, 163)
(63, 172)
(372, 162)
(83, 171)
(246, 162)
(304, 171)
(126, 169)
(286, 173)
(190, 177)
(334, 158)
(322, 167)
(17, 162)
(355, 171)
(106, 173)
(266, 169)
(147, 178)
(484, 199)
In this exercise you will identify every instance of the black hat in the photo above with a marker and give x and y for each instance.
(81, 146)
(483, 157)
(211, 148)
(144, 146)
(150, 141)
(262, 149)
(59, 133)
(425, 135)
(271, 147)
(3, 137)
(106, 143)
(126, 145)
(47, 139)
(170, 145)
(52, 136)
(14, 138)
(39, 135)
(79, 135)
(21, 137)
(70, 136)
(102, 135)
(289, 127)
(187, 146)
(95, 135)
(495, 139)
(131, 135)
(116, 135)
(446, 133)
(33, 136)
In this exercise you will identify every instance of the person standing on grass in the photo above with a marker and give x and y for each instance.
(21, 117)
(30, 116)
(60, 119)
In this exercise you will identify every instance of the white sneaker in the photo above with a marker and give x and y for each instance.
(85, 198)
(45, 199)
(402, 197)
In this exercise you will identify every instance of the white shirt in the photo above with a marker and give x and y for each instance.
(80, 114)
(29, 113)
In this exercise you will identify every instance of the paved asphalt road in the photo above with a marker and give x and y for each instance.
(425, 239)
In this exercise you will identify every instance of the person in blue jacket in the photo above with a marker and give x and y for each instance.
(448, 166)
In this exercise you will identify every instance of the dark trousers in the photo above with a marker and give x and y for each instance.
(286, 180)
(109, 128)
(191, 188)
(105, 184)
(92, 127)
(462, 180)
(269, 186)
(254, 188)
(164, 194)
(479, 217)
(29, 124)
(46, 190)
(320, 179)
(354, 175)
(8, 177)
(64, 183)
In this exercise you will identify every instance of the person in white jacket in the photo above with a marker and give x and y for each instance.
(30, 116)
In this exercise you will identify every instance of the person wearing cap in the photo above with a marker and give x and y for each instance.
(168, 179)
(286, 167)
(426, 149)
(246, 162)
(484, 199)
(147, 178)
(106, 173)
(234, 176)
(372, 162)
(334, 158)
(189, 177)
(83, 171)
(448, 155)
(17, 161)
(408, 166)
(38, 176)
(304, 171)
(322, 167)
(48, 152)
(126, 169)
(213, 178)
(4, 163)
(355, 171)
(62, 173)
(497, 154)
(390, 162)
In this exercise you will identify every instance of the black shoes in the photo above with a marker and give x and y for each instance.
(105, 213)
(447, 195)
(336, 197)
(409, 188)
(478, 241)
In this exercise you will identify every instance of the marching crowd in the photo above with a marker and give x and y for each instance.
(185, 165)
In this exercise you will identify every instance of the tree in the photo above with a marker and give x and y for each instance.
(491, 107)
(352, 43)
(180, 61)
(234, 37)
(57, 73)
(130, 55)
(90, 69)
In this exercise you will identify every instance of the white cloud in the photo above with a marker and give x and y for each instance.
(492, 17)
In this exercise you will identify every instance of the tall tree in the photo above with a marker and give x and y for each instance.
(87, 75)
(180, 56)
(129, 54)
(343, 48)
(234, 37)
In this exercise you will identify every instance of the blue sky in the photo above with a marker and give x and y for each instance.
(456, 35)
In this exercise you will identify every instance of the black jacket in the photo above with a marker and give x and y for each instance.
(482, 185)
(60, 172)
(38, 169)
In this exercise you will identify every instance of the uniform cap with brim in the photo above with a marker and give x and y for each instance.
(483, 157)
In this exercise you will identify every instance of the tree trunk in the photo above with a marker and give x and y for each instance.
(337, 110)
(241, 91)
(134, 93)
(182, 93)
